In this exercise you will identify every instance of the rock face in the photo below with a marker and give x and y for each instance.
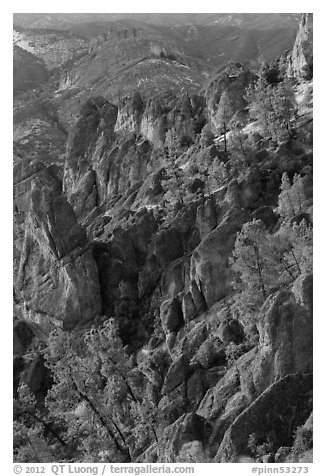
(112, 150)
(280, 407)
(188, 428)
(209, 267)
(94, 128)
(58, 278)
(233, 78)
(301, 57)
(285, 348)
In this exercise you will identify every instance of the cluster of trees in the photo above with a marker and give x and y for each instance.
(96, 409)
(265, 262)
(271, 102)
(273, 106)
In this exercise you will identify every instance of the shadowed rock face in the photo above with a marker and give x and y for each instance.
(279, 409)
(210, 261)
(57, 274)
(29, 71)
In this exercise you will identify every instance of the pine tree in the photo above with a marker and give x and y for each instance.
(273, 107)
(285, 108)
(240, 155)
(97, 396)
(206, 136)
(173, 184)
(35, 437)
(224, 114)
(267, 262)
(258, 97)
(250, 264)
(292, 199)
(80, 386)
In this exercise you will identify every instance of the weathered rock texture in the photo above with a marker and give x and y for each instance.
(58, 279)
(301, 57)
(279, 409)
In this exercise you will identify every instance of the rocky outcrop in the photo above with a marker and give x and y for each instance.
(86, 143)
(130, 113)
(278, 411)
(171, 315)
(154, 122)
(285, 329)
(285, 347)
(209, 267)
(233, 78)
(58, 278)
(301, 58)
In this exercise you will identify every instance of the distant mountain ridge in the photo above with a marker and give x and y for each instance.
(114, 54)
(245, 20)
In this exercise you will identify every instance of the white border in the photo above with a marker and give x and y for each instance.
(167, 6)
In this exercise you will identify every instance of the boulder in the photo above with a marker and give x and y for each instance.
(171, 315)
(209, 354)
(176, 375)
(231, 331)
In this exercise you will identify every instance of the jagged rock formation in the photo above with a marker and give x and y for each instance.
(301, 57)
(111, 150)
(93, 240)
(57, 278)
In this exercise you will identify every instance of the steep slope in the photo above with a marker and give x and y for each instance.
(52, 47)
(29, 72)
